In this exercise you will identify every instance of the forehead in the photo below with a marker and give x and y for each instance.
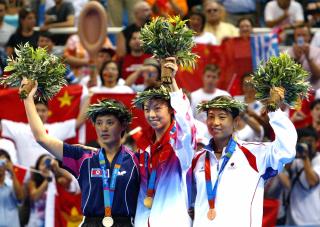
(41, 106)
(106, 117)
(218, 111)
(155, 102)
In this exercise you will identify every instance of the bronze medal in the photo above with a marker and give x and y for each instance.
(211, 214)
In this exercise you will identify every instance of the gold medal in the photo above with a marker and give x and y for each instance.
(211, 214)
(107, 221)
(148, 202)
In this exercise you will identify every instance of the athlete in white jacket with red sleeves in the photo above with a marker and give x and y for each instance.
(238, 198)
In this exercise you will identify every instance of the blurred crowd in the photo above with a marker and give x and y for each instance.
(122, 67)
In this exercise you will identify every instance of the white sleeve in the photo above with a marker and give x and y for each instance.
(283, 149)
(268, 15)
(186, 131)
(299, 13)
(62, 130)
(13, 130)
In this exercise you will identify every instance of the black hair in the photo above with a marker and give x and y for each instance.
(46, 34)
(200, 14)
(314, 103)
(104, 65)
(41, 101)
(23, 13)
(36, 177)
(4, 152)
(243, 19)
(307, 132)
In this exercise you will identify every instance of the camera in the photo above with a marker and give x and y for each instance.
(300, 41)
(302, 149)
(3, 162)
(47, 162)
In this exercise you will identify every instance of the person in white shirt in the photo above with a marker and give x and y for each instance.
(28, 150)
(283, 13)
(208, 91)
(6, 30)
(304, 198)
(109, 75)
(229, 174)
(197, 21)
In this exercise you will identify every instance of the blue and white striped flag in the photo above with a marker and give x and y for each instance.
(263, 46)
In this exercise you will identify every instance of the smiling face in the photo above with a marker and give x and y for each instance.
(220, 124)
(245, 28)
(108, 129)
(110, 74)
(158, 114)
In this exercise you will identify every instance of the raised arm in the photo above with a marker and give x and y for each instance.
(53, 145)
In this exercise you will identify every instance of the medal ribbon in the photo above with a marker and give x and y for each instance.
(212, 191)
(108, 191)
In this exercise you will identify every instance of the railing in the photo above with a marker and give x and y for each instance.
(116, 30)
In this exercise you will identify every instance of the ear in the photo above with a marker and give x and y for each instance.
(236, 122)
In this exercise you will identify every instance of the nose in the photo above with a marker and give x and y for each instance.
(151, 113)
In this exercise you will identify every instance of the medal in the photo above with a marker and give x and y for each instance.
(148, 202)
(107, 221)
(211, 214)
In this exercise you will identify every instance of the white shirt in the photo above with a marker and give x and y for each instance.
(273, 12)
(205, 38)
(305, 201)
(9, 147)
(239, 200)
(6, 31)
(28, 148)
(316, 40)
(118, 89)
(200, 96)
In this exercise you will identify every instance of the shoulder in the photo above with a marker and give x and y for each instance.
(133, 156)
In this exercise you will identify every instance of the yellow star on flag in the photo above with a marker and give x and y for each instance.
(65, 100)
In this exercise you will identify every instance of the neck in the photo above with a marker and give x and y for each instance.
(110, 84)
(209, 90)
(160, 133)
(249, 98)
(136, 53)
(316, 125)
(214, 23)
(220, 144)
(111, 150)
(27, 30)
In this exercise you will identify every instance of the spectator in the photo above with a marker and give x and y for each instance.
(313, 12)
(304, 205)
(109, 75)
(215, 13)
(10, 148)
(11, 192)
(12, 13)
(315, 118)
(249, 127)
(305, 54)
(245, 26)
(6, 30)
(169, 8)
(25, 31)
(208, 91)
(27, 147)
(116, 10)
(142, 13)
(77, 57)
(196, 22)
(93, 79)
(150, 71)
(135, 57)
(39, 189)
(61, 15)
(240, 8)
(283, 14)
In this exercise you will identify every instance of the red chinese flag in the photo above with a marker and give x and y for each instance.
(235, 63)
(11, 106)
(20, 173)
(67, 208)
(191, 79)
(126, 99)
